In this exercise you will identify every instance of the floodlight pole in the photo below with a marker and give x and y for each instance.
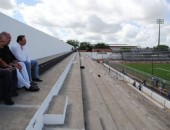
(152, 64)
(91, 54)
(159, 21)
(102, 56)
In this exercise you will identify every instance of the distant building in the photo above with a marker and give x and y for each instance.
(83, 50)
(118, 47)
(101, 50)
(113, 48)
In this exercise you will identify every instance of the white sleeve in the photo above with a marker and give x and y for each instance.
(26, 54)
(16, 52)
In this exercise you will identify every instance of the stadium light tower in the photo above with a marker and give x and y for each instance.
(159, 21)
(152, 64)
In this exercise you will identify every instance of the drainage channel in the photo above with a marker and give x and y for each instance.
(84, 94)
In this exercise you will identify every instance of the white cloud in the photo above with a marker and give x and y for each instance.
(97, 25)
(129, 30)
(110, 21)
(7, 4)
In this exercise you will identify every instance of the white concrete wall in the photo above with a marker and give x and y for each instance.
(39, 44)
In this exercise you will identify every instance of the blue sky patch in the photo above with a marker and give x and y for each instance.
(18, 16)
(27, 2)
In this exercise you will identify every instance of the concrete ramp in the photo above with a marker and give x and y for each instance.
(56, 111)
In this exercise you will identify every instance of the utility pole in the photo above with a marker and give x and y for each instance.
(159, 21)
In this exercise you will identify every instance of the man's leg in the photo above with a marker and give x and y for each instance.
(7, 81)
(21, 81)
(15, 82)
(28, 66)
(35, 68)
(35, 72)
(24, 72)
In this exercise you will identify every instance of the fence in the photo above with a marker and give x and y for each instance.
(157, 84)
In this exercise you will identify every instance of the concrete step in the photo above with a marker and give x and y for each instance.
(93, 122)
(60, 129)
(56, 112)
(72, 87)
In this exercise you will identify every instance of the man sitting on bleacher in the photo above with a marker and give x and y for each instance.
(18, 50)
(14, 72)
(6, 77)
(6, 83)
(9, 58)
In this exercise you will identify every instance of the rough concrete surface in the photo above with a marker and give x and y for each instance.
(96, 101)
(127, 109)
(17, 117)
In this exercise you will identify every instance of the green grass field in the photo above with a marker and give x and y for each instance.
(159, 70)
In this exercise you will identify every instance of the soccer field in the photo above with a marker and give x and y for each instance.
(157, 69)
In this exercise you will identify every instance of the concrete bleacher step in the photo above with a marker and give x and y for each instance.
(94, 122)
(55, 115)
(60, 129)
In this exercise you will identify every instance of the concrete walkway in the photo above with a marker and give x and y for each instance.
(108, 103)
(72, 88)
(117, 106)
(96, 101)
(17, 117)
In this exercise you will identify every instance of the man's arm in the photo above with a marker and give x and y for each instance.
(17, 52)
(3, 64)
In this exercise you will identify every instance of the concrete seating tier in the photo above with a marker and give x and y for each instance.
(18, 116)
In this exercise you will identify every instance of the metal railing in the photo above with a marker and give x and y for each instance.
(157, 84)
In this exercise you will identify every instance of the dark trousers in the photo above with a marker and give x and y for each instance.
(14, 80)
(6, 77)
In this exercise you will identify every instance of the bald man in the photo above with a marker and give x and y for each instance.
(9, 58)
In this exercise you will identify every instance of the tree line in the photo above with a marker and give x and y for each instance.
(89, 47)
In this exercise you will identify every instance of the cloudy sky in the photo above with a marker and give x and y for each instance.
(131, 22)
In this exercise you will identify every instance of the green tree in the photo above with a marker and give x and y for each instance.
(74, 43)
(89, 47)
(85, 46)
(161, 48)
(101, 46)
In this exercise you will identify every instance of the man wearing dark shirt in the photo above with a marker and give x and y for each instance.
(6, 78)
(9, 58)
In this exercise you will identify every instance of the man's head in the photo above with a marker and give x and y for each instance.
(21, 40)
(8, 38)
(2, 40)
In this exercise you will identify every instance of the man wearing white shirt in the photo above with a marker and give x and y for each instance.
(22, 75)
(21, 54)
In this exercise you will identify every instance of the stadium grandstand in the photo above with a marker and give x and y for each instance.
(78, 93)
(146, 55)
